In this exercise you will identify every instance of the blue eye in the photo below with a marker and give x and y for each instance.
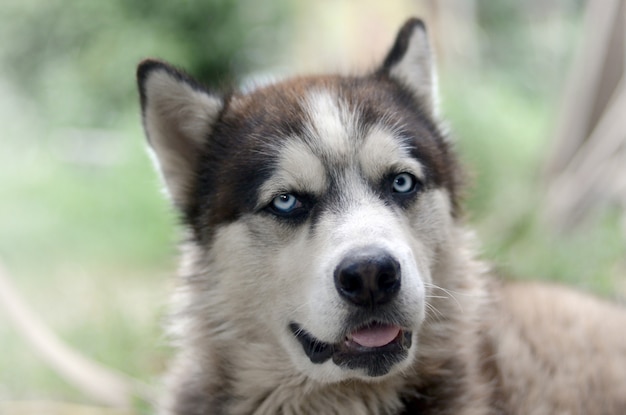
(285, 203)
(404, 183)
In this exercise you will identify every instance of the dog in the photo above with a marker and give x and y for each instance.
(326, 268)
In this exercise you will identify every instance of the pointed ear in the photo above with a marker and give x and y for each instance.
(178, 117)
(410, 62)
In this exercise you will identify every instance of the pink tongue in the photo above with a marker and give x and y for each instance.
(376, 336)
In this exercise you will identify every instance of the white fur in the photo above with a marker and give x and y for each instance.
(301, 286)
(383, 151)
(416, 70)
(298, 170)
(177, 119)
(331, 125)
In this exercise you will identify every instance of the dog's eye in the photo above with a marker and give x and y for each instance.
(285, 204)
(404, 183)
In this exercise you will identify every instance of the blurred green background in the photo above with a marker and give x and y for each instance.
(87, 236)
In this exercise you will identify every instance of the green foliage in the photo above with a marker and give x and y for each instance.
(503, 137)
(91, 247)
(84, 230)
(85, 52)
(529, 42)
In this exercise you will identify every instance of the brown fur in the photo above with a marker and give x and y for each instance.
(559, 351)
(484, 347)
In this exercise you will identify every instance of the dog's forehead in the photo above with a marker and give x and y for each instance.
(334, 139)
(329, 112)
(332, 127)
(310, 127)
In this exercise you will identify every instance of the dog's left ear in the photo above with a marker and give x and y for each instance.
(410, 62)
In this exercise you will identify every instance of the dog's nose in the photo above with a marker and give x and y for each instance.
(368, 278)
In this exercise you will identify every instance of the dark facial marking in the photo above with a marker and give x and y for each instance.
(376, 361)
(401, 45)
(243, 150)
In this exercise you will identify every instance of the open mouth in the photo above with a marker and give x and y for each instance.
(374, 347)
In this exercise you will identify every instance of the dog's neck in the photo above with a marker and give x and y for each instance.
(268, 385)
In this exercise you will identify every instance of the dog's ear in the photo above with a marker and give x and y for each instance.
(178, 116)
(411, 63)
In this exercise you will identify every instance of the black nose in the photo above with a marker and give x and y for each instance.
(368, 278)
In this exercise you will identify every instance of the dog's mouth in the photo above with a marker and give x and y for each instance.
(375, 347)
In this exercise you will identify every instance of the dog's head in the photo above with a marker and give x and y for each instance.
(320, 204)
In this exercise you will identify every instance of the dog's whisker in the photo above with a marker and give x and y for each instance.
(434, 312)
(449, 293)
(437, 296)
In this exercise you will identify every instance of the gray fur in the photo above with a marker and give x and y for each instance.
(248, 271)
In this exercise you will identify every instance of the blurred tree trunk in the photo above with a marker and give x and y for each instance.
(587, 166)
(453, 24)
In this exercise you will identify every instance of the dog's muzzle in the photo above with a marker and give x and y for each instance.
(368, 281)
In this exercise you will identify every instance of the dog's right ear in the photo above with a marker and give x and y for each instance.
(411, 63)
(178, 117)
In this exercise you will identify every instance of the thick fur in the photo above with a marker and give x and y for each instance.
(340, 148)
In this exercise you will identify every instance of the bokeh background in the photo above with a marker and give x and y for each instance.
(88, 241)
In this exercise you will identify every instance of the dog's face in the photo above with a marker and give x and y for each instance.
(320, 204)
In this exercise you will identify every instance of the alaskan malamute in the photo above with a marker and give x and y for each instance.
(326, 269)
